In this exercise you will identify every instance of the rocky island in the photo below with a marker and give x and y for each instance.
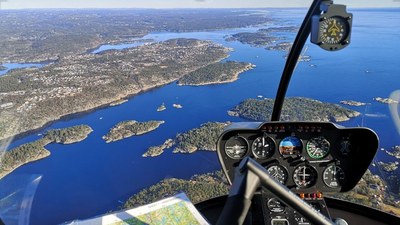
(352, 103)
(294, 109)
(389, 167)
(35, 150)
(395, 152)
(386, 100)
(130, 128)
(217, 73)
(202, 138)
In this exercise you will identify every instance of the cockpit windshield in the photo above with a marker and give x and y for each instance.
(107, 105)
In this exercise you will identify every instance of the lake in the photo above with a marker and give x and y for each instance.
(89, 178)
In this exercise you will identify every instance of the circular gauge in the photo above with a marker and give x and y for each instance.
(334, 30)
(278, 172)
(236, 147)
(318, 147)
(290, 146)
(276, 206)
(333, 176)
(304, 176)
(263, 147)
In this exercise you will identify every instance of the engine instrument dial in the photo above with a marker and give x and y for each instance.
(236, 147)
(318, 147)
(333, 176)
(263, 147)
(304, 176)
(278, 172)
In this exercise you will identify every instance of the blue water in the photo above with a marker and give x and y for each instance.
(11, 66)
(91, 177)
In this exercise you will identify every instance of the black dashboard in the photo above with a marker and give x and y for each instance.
(304, 156)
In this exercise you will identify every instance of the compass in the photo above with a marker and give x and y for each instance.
(331, 30)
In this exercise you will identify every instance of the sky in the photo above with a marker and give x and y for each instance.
(24, 4)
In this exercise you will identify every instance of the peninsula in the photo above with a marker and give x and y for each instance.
(32, 151)
(202, 138)
(352, 103)
(84, 82)
(130, 128)
(294, 109)
(217, 73)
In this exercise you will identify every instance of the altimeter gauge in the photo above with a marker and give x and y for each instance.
(263, 147)
(331, 30)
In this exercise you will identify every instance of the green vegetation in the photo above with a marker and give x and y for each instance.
(35, 150)
(294, 109)
(202, 138)
(371, 191)
(198, 188)
(222, 72)
(83, 82)
(258, 39)
(129, 128)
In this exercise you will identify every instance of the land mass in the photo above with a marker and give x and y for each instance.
(386, 100)
(257, 39)
(2, 68)
(84, 82)
(389, 167)
(352, 103)
(198, 188)
(202, 138)
(130, 128)
(35, 150)
(294, 109)
(118, 102)
(217, 73)
(395, 152)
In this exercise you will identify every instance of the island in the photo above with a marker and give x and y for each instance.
(161, 108)
(2, 68)
(395, 152)
(177, 106)
(130, 128)
(294, 109)
(352, 103)
(386, 100)
(281, 46)
(202, 138)
(198, 188)
(388, 167)
(118, 102)
(257, 39)
(32, 151)
(84, 82)
(217, 73)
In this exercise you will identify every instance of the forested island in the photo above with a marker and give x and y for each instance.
(83, 82)
(257, 39)
(352, 103)
(130, 128)
(35, 150)
(294, 109)
(202, 138)
(198, 188)
(217, 73)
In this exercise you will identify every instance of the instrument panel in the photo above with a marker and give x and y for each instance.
(304, 156)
